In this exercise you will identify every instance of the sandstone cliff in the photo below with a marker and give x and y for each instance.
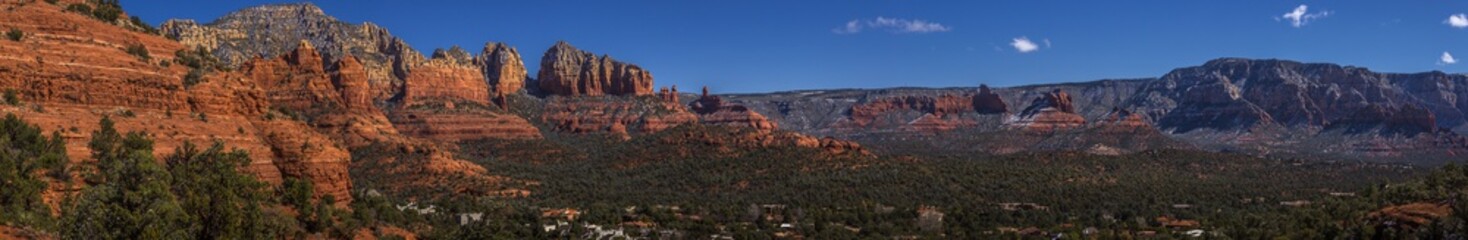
(502, 68)
(565, 70)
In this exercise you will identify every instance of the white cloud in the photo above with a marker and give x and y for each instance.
(853, 26)
(1447, 58)
(1301, 16)
(1457, 20)
(894, 25)
(1024, 45)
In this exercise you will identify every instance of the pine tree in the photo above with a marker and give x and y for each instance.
(223, 202)
(130, 198)
(24, 151)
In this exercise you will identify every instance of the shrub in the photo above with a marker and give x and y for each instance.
(143, 25)
(106, 10)
(11, 97)
(52, 2)
(195, 76)
(79, 8)
(140, 51)
(14, 35)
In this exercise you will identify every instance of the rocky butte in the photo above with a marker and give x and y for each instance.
(565, 70)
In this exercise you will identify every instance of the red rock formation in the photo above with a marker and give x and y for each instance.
(1050, 112)
(336, 102)
(668, 95)
(1122, 119)
(442, 80)
(565, 70)
(988, 102)
(449, 101)
(301, 153)
(502, 68)
(714, 111)
(71, 70)
(350, 78)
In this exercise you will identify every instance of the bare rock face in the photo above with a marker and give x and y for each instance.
(502, 68)
(350, 78)
(714, 111)
(441, 79)
(565, 70)
(988, 102)
(273, 30)
(72, 70)
(1050, 112)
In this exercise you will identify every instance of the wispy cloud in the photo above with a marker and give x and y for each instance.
(1447, 58)
(893, 25)
(1024, 45)
(1301, 16)
(1457, 20)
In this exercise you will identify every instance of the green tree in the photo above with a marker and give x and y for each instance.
(24, 151)
(130, 198)
(223, 202)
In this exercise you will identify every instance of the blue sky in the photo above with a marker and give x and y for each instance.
(760, 46)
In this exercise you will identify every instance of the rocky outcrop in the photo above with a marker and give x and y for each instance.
(1123, 119)
(455, 55)
(71, 70)
(714, 111)
(565, 70)
(988, 102)
(1051, 112)
(273, 30)
(502, 68)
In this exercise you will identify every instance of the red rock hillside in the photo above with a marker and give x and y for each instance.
(71, 70)
(565, 70)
